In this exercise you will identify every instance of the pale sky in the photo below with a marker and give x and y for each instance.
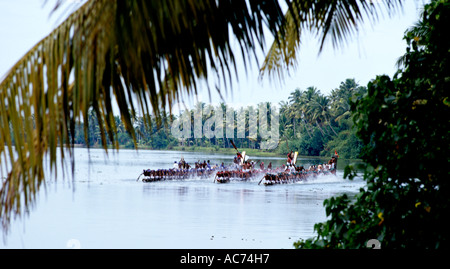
(373, 51)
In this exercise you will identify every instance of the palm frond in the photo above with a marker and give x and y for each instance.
(337, 20)
(282, 53)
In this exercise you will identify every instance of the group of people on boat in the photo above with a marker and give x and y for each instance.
(180, 170)
(243, 169)
(291, 173)
(329, 166)
(198, 166)
(181, 165)
(227, 175)
(174, 173)
(325, 167)
(163, 174)
(283, 177)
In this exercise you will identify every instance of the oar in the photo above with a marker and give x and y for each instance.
(261, 180)
(232, 143)
(139, 176)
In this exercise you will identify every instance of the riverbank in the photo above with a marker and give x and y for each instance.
(231, 151)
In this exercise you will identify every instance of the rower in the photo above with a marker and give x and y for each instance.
(245, 167)
(292, 168)
(290, 156)
(288, 168)
(239, 157)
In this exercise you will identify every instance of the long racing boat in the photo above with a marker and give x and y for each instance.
(174, 174)
(292, 177)
(236, 175)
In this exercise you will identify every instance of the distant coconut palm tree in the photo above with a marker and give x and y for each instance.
(141, 56)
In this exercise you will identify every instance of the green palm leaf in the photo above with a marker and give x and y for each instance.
(337, 20)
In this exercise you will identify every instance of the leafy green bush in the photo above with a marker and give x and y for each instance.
(404, 124)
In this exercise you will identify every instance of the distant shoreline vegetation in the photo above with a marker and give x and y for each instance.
(309, 122)
(230, 151)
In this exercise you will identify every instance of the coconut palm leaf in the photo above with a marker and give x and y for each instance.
(282, 54)
(327, 19)
(142, 56)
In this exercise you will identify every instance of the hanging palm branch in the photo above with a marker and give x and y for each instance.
(282, 53)
(337, 20)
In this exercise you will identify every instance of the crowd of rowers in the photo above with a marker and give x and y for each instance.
(292, 173)
(242, 168)
(182, 170)
(290, 166)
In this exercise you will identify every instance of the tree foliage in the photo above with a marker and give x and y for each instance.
(309, 122)
(316, 124)
(404, 123)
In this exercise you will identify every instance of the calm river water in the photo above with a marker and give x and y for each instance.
(105, 207)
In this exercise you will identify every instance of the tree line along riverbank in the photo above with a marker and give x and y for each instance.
(310, 122)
